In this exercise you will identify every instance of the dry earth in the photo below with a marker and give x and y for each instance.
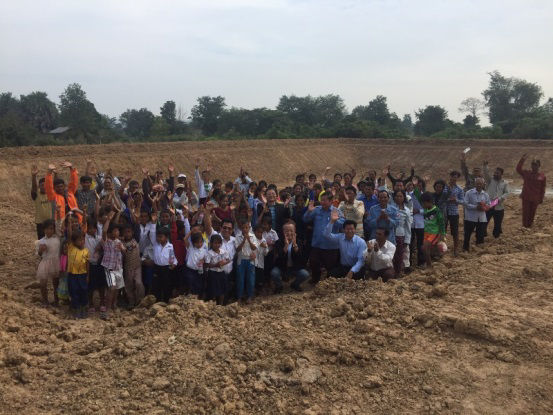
(475, 336)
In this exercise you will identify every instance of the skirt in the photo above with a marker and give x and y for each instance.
(48, 269)
(216, 284)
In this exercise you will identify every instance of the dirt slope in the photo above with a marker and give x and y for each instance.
(474, 337)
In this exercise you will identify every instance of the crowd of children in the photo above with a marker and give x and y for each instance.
(225, 242)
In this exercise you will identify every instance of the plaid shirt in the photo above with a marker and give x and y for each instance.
(452, 208)
(112, 255)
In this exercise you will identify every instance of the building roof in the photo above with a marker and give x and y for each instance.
(59, 130)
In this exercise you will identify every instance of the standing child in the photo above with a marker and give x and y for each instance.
(77, 273)
(96, 274)
(62, 290)
(434, 226)
(165, 263)
(215, 261)
(195, 259)
(271, 238)
(246, 247)
(260, 253)
(132, 268)
(48, 248)
(112, 262)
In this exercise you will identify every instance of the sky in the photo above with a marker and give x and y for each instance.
(134, 54)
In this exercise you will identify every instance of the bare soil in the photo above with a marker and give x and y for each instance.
(473, 337)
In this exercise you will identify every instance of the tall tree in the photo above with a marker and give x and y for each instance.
(207, 113)
(376, 111)
(407, 123)
(78, 112)
(472, 106)
(38, 111)
(430, 120)
(510, 99)
(168, 112)
(137, 123)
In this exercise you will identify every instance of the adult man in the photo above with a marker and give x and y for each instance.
(352, 249)
(64, 198)
(383, 215)
(289, 259)
(533, 190)
(497, 190)
(476, 203)
(380, 254)
(243, 181)
(455, 197)
(44, 208)
(278, 212)
(369, 200)
(85, 195)
(469, 177)
(353, 210)
(324, 252)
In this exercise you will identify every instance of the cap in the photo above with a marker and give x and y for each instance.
(181, 176)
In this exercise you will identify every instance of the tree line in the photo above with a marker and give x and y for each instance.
(512, 105)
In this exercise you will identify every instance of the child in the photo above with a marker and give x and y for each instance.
(62, 290)
(48, 248)
(164, 265)
(112, 262)
(434, 227)
(271, 237)
(77, 273)
(196, 255)
(132, 268)
(260, 254)
(178, 234)
(215, 261)
(96, 274)
(246, 246)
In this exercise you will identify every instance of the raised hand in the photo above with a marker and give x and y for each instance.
(66, 165)
(311, 206)
(51, 168)
(413, 165)
(144, 171)
(154, 217)
(171, 169)
(334, 216)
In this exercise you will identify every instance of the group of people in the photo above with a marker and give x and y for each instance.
(124, 239)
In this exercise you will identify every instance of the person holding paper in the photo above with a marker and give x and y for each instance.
(498, 191)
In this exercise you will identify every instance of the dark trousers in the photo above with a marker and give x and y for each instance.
(469, 228)
(453, 222)
(497, 216)
(327, 258)
(39, 231)
(398, 255)
(162, 283)
(385, 273)
(528, 212)
(419, 235)
(78, 290)
(341, 271)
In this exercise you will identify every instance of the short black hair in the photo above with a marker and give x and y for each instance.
(500, 169)
(161, 230)
(227, 221)
(328, 195)
(439, 181)
(216, 238)
(454, 173)
(258, 227)
(350, 222)
(91, 222)
(402, 192)
(113, 226)
(76, 235)
(386, 230)
(312, 176)
(369, 183)
(41, 180)
(351, 188)
(86, 179)
(196, 237)
(58, 181)
(427, 197)
(133, 183)
(49, 223)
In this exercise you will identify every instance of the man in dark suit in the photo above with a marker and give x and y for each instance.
(289, 259)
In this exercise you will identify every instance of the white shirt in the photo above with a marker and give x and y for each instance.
(270, 237)
(382, 258)
(246, 250)
(163, 254)
(472, 199)
(147, 235)
(213, 257)
(91, 242)
(195, 257)
(260, 253)
(230, 247)
(203, 189)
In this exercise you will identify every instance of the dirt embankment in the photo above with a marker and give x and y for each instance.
(473, 337)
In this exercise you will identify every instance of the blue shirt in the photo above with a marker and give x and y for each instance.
(369, 203)
(452, 208)
(352, 252)
(320, 219)
(389, 224)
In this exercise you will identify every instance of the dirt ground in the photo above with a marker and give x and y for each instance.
(473, 337)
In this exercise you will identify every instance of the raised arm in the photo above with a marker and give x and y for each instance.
(49, 183)
(521, 164)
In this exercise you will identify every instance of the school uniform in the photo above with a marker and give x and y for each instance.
(96, 274)
(164, 258)
(216, 278)
(195, 269)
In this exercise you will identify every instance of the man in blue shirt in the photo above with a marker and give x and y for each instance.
(324, 252)
(455, 197)
(383, 216)
(352, 250)
(369, 200)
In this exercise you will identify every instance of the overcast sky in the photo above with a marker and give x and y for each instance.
(133, 54)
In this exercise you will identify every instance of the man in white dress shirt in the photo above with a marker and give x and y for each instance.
(477, 202)
(380, 254)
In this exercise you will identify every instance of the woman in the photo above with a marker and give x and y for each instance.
(402, 231)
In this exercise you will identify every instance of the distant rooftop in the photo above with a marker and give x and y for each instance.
(59, 130)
